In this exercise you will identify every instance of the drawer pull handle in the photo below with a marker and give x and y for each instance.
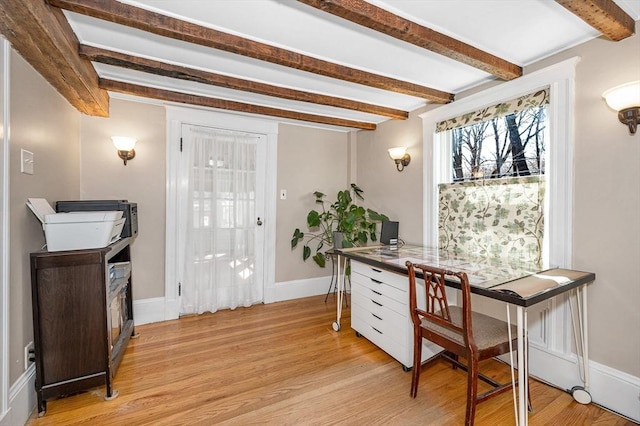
(377, 330)
(376, 270)
(376, 281)
(379, 304)
(378, 293)
(377, 317)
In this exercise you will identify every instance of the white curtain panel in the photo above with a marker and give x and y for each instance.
(220, 223)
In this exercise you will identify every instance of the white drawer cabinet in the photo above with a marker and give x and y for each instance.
(380, 312)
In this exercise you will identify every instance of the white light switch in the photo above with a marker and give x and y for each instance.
(283, 194)
(26, 161)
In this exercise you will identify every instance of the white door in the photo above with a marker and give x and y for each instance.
(221, 211)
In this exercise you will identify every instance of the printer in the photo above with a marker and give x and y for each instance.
(77, 230)
(129, 211)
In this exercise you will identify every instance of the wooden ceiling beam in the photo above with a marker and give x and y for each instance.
(383, 21)
(152, 22)
(164, 69)
(43, 37)
(603, 15)
(185, 98)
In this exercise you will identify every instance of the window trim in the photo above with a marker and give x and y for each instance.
(561, 81)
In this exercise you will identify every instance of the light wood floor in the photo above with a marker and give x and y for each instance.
(282, 364)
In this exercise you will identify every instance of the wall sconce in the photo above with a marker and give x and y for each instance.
(626, 100)
(124, 145)
(400, 156)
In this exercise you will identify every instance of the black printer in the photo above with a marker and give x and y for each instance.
(130, 211)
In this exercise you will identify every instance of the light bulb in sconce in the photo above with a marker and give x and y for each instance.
(625, 99)
(400, 157)
(124, 145)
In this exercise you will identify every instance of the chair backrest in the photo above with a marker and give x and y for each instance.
(436, 308)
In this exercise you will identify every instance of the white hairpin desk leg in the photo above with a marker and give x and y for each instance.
(336, 324)
(523, 373)
(581, 393)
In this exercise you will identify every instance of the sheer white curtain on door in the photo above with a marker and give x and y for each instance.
(220, 219)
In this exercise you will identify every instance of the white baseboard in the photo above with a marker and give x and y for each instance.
(289, 290)
(22, 399)
(147, 311)
(609, 388)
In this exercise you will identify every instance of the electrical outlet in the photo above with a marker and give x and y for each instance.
(29, 354)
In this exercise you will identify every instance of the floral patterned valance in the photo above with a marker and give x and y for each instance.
(493, 218)
(541, 97)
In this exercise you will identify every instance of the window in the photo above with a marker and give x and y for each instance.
(558, 177)
(507, 139)
(550, 328)
(492, 204)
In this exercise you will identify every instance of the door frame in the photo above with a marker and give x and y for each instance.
(176, 117)
(5, 53)
(185, 210)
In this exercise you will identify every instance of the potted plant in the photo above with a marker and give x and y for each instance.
(342, 220)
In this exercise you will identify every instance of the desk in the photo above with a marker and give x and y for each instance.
(516, 283)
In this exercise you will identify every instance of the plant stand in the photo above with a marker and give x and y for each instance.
(333, 286)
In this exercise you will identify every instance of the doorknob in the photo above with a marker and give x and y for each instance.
(259, 222)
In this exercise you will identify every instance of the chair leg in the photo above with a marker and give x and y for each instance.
(455, 366)
(472, 390)
(417, 357)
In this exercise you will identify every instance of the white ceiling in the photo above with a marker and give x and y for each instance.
(519, 31)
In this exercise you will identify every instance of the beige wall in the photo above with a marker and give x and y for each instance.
(397, 194)
(309, 160)
(607, 179)
(41, 121)
(606, 228)
(142, 180)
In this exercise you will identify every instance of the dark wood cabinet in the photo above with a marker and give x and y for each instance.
(82, 318)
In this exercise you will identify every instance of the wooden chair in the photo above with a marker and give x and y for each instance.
(459, 330)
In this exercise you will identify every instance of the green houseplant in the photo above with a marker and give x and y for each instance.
(355, 224)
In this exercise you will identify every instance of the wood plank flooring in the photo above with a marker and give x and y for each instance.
(282, 364)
